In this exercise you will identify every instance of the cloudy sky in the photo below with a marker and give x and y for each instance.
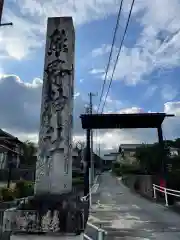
(146, 77)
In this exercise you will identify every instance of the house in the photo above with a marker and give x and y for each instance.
(98, 162)
(174, 152)
(10, 150)
(127, 153)
(109, 159)
(76, 159)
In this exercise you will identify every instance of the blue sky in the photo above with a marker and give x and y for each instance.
(146, 77)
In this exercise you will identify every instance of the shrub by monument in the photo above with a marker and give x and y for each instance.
(7, 194)
(125, 169)
(24, 188)
(77, 181)
(76, 174)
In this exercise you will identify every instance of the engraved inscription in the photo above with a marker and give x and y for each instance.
(58, 42)
(56, 111)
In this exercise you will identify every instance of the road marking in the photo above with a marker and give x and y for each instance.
(95, 188)
(87, 237)
(92, 218)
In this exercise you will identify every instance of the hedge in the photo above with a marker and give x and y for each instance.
(76, 174)
(77, 181)
(120, 169)
(24, 188)
(21, 189)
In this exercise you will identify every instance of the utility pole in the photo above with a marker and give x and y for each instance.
(1, 11)
(91, 95)
(87, 172)
(100, 157)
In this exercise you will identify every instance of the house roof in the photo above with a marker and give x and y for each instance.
(133, 120)
(4, 135)
(5, 148)
(111, 154)
(75, 152)
(130, 146)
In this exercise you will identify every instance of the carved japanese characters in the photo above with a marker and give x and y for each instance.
(56, 110)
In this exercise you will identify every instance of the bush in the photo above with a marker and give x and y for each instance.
(123, 169)
(117, 171)
(7, 194)
(24, 189)
(137, 185)
(130, 169)
(77, 181)
(116, 165)
(76, 174)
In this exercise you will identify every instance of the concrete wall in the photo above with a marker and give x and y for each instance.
(144, 182)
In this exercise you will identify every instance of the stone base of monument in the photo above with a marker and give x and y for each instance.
(63, 215)
(46, 237)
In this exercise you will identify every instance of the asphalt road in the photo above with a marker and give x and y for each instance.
(128, 216)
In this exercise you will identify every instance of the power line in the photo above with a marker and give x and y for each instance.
(110, 55)
(127, 24)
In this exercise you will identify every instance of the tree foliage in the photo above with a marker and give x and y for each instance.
(150, 157)
(29, 153)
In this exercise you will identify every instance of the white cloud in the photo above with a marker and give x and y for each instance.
(171, 125)
(30, 19)
(132, 110)
(172, 108)
(168, 92)
(101, 50)
(20, 111)
(82, 11)
(77, 94)
(158, 42)
(111, 139)
(150, 91)
(96, 71)
(112, 105)
(131, 66)
(156, 47)
(20, 115)
(19, 40)
(81, 80)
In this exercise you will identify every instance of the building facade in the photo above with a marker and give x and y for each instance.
(11, 150)
(127, 153)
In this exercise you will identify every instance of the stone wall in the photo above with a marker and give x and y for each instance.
(142, 184)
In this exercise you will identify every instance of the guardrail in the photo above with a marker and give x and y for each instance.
(101, 232)
(166, 191)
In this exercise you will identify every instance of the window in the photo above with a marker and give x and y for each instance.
(131, 154)
(66, 163)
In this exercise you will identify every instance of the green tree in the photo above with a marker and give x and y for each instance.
(150, 157)
(177, 143)
(29, 153)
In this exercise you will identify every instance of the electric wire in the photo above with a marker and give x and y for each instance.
(119, 51)
(111, 51)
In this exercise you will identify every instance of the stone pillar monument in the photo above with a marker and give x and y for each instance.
(54, 208)
(54, 164)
